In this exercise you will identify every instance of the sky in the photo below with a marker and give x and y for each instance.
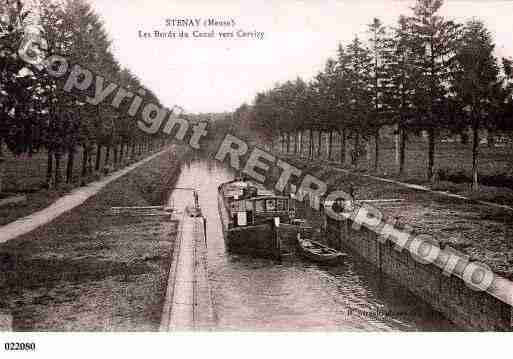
(219, 74)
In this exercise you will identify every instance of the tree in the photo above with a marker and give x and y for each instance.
(19, 120)
(360, 97)
(381, 58)
(342, 93)
(504, 99)
(434, 44)
(475, 83)
(400, 85)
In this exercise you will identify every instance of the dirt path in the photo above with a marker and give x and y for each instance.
(64, 204)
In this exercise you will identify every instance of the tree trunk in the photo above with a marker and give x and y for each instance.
(116, 154)
(85, 160)
(376, 149)
(2, 164)
(133, 149)
(107, 155)
(98, 157)
(49, 169)
(307, 145)
(288, 142)
(310, 145)
(298, 144)
(490, 139)
(122, 152)
(319, 142)
(475, 154)
(70, 164)
(330, 146)
(397, 143)
(342, 146)
(464, 138)
(58, 175)
(356, 150)
(431, 155)
(299, 138)
(402, 150)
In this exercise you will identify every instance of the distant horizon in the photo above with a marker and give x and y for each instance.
(205, 75)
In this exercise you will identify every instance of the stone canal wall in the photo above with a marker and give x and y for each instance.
(188, 304)
(448, 295)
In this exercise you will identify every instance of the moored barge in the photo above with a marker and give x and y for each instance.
(256, 221)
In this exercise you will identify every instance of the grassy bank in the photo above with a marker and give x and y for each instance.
(89, 270)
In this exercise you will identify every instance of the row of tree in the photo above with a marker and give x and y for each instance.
(37, 115)
(426, 74)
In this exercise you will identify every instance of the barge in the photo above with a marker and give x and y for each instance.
(256, 221)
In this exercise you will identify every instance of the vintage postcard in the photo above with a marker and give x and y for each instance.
(273, 167)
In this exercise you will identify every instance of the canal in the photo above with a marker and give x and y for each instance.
(258, 294)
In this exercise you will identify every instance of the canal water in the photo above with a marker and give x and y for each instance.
(258, 294)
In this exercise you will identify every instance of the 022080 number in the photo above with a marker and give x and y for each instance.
(20, 346)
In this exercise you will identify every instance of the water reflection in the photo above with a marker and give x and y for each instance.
(258, 294)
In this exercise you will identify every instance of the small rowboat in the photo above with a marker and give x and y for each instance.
(318, 252)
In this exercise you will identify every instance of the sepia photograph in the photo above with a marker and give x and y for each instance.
(274, 169)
